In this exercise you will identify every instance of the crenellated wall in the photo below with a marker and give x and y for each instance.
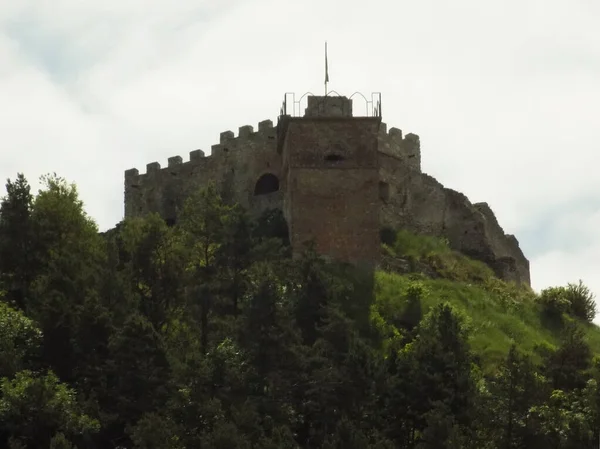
(407, 198)
(235, 164)
(405, 148)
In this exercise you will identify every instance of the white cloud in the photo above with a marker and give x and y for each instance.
(504, 96)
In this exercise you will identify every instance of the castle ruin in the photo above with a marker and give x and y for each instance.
(338, 177)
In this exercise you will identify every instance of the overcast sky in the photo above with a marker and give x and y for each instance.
(504, 95)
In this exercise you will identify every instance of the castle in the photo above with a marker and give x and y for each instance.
(338, 177)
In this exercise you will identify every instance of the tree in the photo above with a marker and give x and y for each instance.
(581, 300)
(34, 407)
(19, 341)
(514, 389)
(17, 258)
(70, 254)
(434, 372)
(567, 366)
(202, 227)
(153, 259)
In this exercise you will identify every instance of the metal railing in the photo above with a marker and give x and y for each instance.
(294, 108)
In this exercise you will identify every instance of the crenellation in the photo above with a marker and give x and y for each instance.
(196, 155)
(225, 136)
(383, 128)
(265, 125)
(216, 149)
(132, 173)
(395, 133)
(413, 138)
(152, 167)
(175, 160)
(245, 131)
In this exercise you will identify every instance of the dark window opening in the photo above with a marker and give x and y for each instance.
(384, 191)
(267, 183)
(333, 157)
(170, 222)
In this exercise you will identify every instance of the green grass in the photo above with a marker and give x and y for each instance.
(497, 313)
(494, 322)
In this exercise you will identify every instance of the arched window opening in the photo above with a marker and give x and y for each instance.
(333, 157)
(267, 183)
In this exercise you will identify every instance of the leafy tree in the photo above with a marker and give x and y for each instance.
(574, 299)
(515, 388)
(70, 256)
(202, 226)
(139, 370)
(154, 258)
(20, 341)
(34, 407)
(567, 366)
(17, 245)
(581, 300)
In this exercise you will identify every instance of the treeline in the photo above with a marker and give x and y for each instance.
(209, 335)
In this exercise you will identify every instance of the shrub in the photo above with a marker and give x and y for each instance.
(575, 300)
(554, 302)
(581, 301)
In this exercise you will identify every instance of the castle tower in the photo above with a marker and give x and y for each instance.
(331, 176)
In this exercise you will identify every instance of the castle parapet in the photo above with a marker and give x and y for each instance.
(175, 160)
(132, 173)
(196, 155)
(227, 140)
(152, 167)
(406, 148)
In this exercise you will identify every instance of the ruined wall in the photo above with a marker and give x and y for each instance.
(235, 165)
(332, 186)
(416, 201)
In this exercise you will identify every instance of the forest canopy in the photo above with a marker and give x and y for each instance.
(208, 334)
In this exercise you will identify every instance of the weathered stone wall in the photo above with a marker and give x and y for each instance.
(416, 201)
(407, 149)
(340, 179)
(332, 186)
(235, 165)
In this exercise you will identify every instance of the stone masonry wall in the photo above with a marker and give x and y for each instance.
(406, 197)
(416, 201)
(332, 186)
(235, 165)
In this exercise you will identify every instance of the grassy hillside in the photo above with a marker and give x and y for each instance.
(499, 314)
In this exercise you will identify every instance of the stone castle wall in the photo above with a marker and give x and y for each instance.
(235, 164)
(407, 197)
(331, 195)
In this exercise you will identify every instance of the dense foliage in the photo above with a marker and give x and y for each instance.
(207, 334)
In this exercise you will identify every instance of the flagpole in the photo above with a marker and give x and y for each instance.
(326, 69)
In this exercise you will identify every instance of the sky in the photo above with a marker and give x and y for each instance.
(505, 96)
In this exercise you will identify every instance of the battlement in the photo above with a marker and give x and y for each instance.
(227, 141)
(404, 147)
(391, 142)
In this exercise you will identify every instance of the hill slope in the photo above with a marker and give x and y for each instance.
(498, 314)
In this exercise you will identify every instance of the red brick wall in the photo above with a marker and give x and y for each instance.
(336, 204)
